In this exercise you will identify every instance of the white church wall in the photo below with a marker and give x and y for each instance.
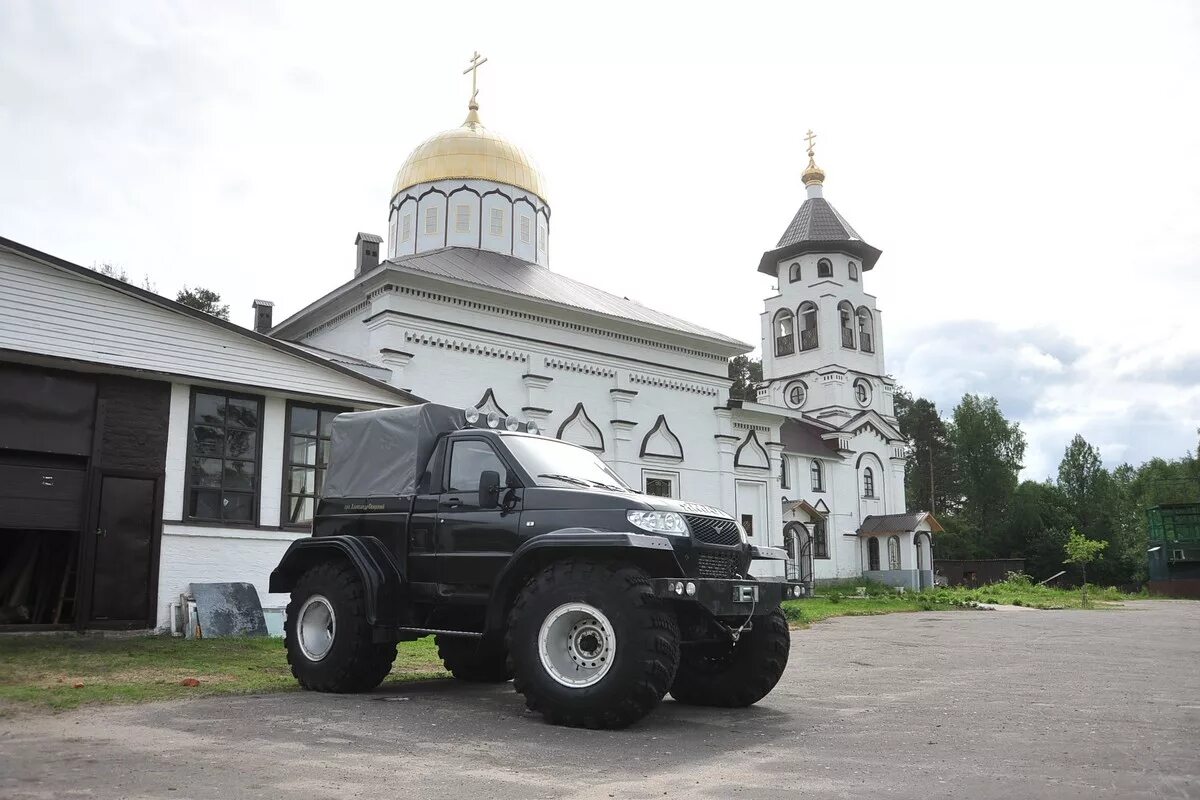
(524, 230)
(462, 226)
(431, 220)
(499, 241)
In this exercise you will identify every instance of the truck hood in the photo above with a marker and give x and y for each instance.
(597, 498)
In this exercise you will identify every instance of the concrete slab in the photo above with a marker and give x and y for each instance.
(1054, 704)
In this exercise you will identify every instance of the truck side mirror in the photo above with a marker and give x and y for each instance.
(489, 488)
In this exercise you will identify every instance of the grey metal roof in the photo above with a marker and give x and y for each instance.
(818, 227)
(896, 523)
(368, 237)
(514, 276)
(804, 439)
(817, 221)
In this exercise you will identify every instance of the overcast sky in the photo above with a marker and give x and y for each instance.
(1031, 171)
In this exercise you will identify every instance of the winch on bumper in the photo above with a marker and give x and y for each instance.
(736, 596)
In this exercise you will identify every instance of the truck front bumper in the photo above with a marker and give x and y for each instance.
(730, 598)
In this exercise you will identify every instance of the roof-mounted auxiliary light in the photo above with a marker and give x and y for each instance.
(511, 422)
(472, 415)
(493, 419)
(532, 428)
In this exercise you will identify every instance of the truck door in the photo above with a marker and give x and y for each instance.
(474, 543)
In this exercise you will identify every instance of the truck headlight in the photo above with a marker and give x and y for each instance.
(658, 522)
(742, 533)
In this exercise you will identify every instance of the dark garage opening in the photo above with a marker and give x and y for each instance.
(38, 577)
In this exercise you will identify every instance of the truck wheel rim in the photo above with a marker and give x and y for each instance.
(577, 645)
(315, 627)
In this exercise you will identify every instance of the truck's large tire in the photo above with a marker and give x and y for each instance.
(472, 660)
(328, 639)
(591, 645)
(735, 675)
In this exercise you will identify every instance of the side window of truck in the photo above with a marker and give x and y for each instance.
(467, 460)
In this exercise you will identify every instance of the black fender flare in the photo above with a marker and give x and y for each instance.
(651, 552)
(382, 579)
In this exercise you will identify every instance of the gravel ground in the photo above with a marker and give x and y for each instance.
(980, 704)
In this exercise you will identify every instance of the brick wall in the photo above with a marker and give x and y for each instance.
(133, 433)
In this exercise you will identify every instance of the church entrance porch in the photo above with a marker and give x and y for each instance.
(896, 549)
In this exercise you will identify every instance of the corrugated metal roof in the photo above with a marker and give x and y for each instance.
(896, 523)
(804, 439)
(514, 276)
(817, 221)
(368, 237)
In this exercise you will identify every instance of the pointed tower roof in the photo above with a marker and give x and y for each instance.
(817, 226)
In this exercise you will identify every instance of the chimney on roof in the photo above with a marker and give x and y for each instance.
(368, 252)
(263, 310)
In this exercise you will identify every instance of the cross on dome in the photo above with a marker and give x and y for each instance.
(476, 63)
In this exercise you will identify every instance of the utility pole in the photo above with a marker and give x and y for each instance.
(932, 510)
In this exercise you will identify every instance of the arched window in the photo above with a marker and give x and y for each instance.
(785, 333)
(794, 272)
(853, 271)
(824, 268)
(866, 330)
(873, 554)
(846, 318)
(783, 473)
(894, 552)
(868, 482)
(808, 326)
(818, 476)
(820, 540)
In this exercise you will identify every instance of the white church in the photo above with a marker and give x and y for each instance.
(145, 445)
(466, 310)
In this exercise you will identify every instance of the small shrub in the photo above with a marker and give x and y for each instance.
(835, 598)
(1018, 602)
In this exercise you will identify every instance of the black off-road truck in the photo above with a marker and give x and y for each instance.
(527, 558)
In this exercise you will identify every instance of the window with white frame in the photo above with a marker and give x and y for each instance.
(541, 234)
(818, 476)
(526, 229)
(462, 219)
(431, 220)
(406, 228)
(496, 222)
(660, 484)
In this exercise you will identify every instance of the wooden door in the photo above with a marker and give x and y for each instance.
(124, 545)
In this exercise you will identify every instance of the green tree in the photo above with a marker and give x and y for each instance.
(1082, 551)
(930, 480)
(204, 300)
(746, 373)
(988, 454)
(1036, 527)
(118, 272)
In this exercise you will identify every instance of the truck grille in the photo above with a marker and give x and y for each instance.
(713, 530)
(717, 565)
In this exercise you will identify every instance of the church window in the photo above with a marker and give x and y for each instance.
(785, 333)
(820, 540)
(808, 326)
(894, 552)
(431, 220)
(846, 316)
(541, 234)
(797, 394)
(660, 484)
(862, 392)
(794, 272)
(406, 228)
(873, 554)
(525, 229)
(866, 330)
(868, 482)
(783, 473)
(462, 219)
(853, 271)
(818, 476)
(497, 222)
(824, 268)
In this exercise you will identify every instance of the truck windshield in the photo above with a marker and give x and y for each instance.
(555, 463)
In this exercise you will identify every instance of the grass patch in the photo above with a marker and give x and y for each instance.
(859, 598)
(42, 672)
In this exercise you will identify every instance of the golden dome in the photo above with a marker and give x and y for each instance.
(469, 151)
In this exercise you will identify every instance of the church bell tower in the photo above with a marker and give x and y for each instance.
(822, 333)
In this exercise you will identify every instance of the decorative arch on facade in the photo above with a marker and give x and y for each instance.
(488, 403)
(866, 330)
(752, 454)
(579, 429)
(794, 272)
(824, 268)
(471, 236)
(870, 476)
(922, 546)
(807, 317)
(894, 561)
(873, 553)
(846, 321)
(784, 326)
(816, 475)
(661, 441)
